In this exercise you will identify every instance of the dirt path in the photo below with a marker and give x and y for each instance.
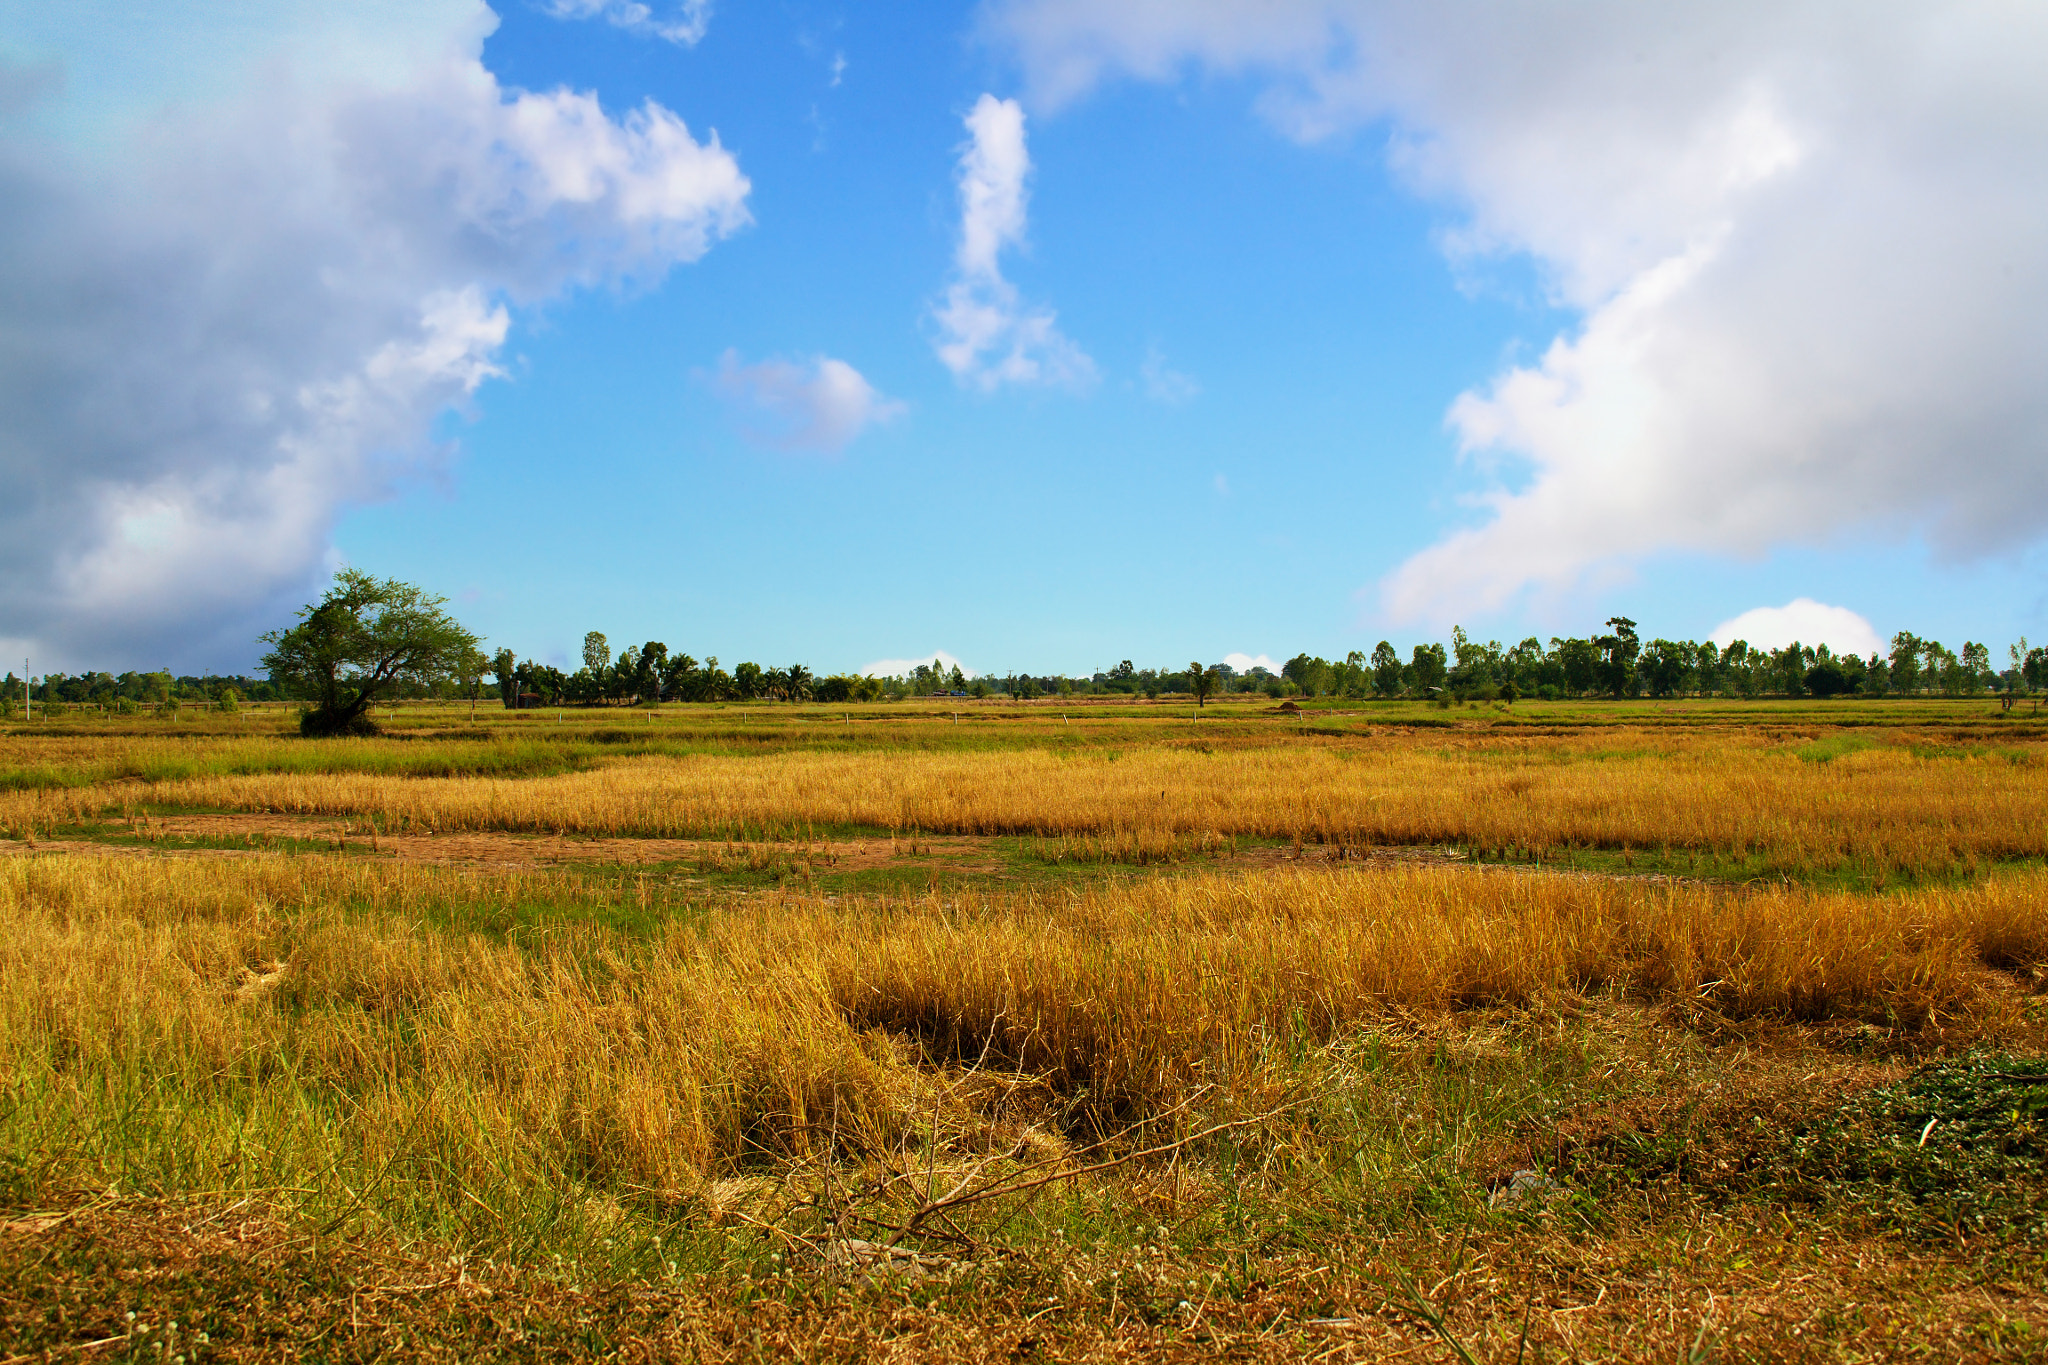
(218, 834)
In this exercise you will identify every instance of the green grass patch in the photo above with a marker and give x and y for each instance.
(1831, 747)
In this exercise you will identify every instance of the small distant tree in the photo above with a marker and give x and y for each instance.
(1827, 678)
(718, 684)
(1940, 667)
(597, 657)
(469, 674)
(1904, 661)
(1976, 671)
(653, 665)
(1665, 665)
(748, 681)
(679, 678)
(1428, 669)
(505, 667)
(1618, 657)
(1706, 667)
(1579, 662)
(1386, 669)
(1201, 681)
(364, 639)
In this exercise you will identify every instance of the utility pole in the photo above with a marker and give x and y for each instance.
(27, 698)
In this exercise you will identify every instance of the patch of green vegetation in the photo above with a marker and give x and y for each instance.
(637, 903)
(1831, 747)
(129, 836)
(1958, 1148)
(42, 778)
(1713, 865)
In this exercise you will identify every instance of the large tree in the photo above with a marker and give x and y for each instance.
(359, 642)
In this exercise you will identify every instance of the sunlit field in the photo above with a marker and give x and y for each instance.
(1051, 1031)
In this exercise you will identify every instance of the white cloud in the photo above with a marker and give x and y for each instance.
(988, 336)
(896, 668)
(1804, 620)
(222, 322)
(1245, 663)
(684, 23)
(819, 404)
(1163, 383)
(1803, 243)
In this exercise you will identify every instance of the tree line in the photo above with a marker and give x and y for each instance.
(1613, 663)
(653, 673)
(1618, 663)
(371, 638)
(133, 690)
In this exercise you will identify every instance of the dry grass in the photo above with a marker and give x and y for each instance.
(311, 999)
(362, 1066)
(1891, 808)
(238, 1284)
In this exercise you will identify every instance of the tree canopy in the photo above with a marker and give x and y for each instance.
(361, 640)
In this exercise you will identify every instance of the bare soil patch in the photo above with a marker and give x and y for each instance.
(218, 833)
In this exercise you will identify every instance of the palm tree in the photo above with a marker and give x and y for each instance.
(798, 683)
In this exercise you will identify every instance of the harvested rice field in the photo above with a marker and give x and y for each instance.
(1013, 1032)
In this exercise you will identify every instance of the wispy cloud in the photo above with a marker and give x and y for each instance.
(818, 404)
(1163, 383)
(988, 336)
(684, 23)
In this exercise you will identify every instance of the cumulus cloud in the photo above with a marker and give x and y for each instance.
(223, 324)
(988, 336)
(896, 668)
(1802, 243)
(819, 404)
(1245, 663)
(684, 23)
(1803, 620)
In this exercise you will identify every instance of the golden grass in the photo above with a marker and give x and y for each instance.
(1888, 808)
(247, 1022)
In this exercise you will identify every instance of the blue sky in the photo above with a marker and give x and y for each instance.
(1319, 331)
